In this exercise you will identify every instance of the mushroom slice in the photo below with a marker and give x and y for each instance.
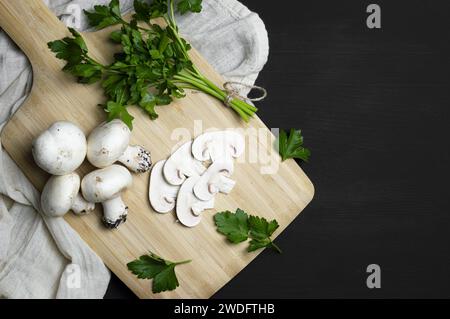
(109, 143)
(221, 183)
(162, 195)
(105, 186)
(210, 183)
(218, 145)
(61, 193)
(60, 149)
(182, 164)
(189, 207)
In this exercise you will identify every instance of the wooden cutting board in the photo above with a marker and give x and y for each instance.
(56, 96)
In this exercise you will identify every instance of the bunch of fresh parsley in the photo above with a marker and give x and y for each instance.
(153, 66)
(292, 146)
(154, 267)
(239, 227)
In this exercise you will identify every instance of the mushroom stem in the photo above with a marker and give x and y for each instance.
(136, 159)
(199, 206)
(80, 206)
(114, 212)
(221, 183)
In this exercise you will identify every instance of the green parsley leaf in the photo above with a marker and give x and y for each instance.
(145, 11)
(240, 226)
(163, 99)
(87, 73)
(142, 10)
(116, 36)
(117, 110)
(189, 6)
(148, 102)
(165, 280)
(292, 146)
(258, 244)
(260, 232)
(154, 267)
(72, 50)
(78, 40)
(66, 49)
(232, 225)
(147, 266)
(260, 228)
(104, 16)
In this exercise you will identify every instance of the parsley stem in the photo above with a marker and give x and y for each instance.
(187, 86)
(91, 60)
(245, 107)
(178, 40)
(276, 247)
(172, 15)
(203, 87)
(200, 86)
(182, 262)
(250, 109)
(122, 21)
(114, 71)
(184, 77)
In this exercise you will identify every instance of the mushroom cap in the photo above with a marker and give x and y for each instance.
(162, 195)
(107, 142)
(60, 149)
(105, 183)
(217, 145)
(189, 207)
(182, 164)
(59, 194)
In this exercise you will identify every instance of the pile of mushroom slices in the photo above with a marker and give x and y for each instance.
(62, 148)
(186, 182)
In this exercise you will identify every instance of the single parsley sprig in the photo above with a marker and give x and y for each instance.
(75, 52)
(154, 267)
(239, 227)
(153, 66)
(292, 146)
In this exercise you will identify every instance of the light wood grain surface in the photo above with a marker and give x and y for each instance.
(56, 96)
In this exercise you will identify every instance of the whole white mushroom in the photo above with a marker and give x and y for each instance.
(109, 143)
(61, 193)
(60, 149)
(105, 186)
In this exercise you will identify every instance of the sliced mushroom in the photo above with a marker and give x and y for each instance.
(218, 145)
(221, 183)
(60, 149)
(189, 207)
(210, 183)
(105, 186)
(162, 195)
(108, 143)
(61, 193)
(182, 164)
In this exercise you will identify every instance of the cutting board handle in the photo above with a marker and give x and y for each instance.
(30, 24)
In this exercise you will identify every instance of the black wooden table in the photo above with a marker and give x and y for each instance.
(374, 108)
